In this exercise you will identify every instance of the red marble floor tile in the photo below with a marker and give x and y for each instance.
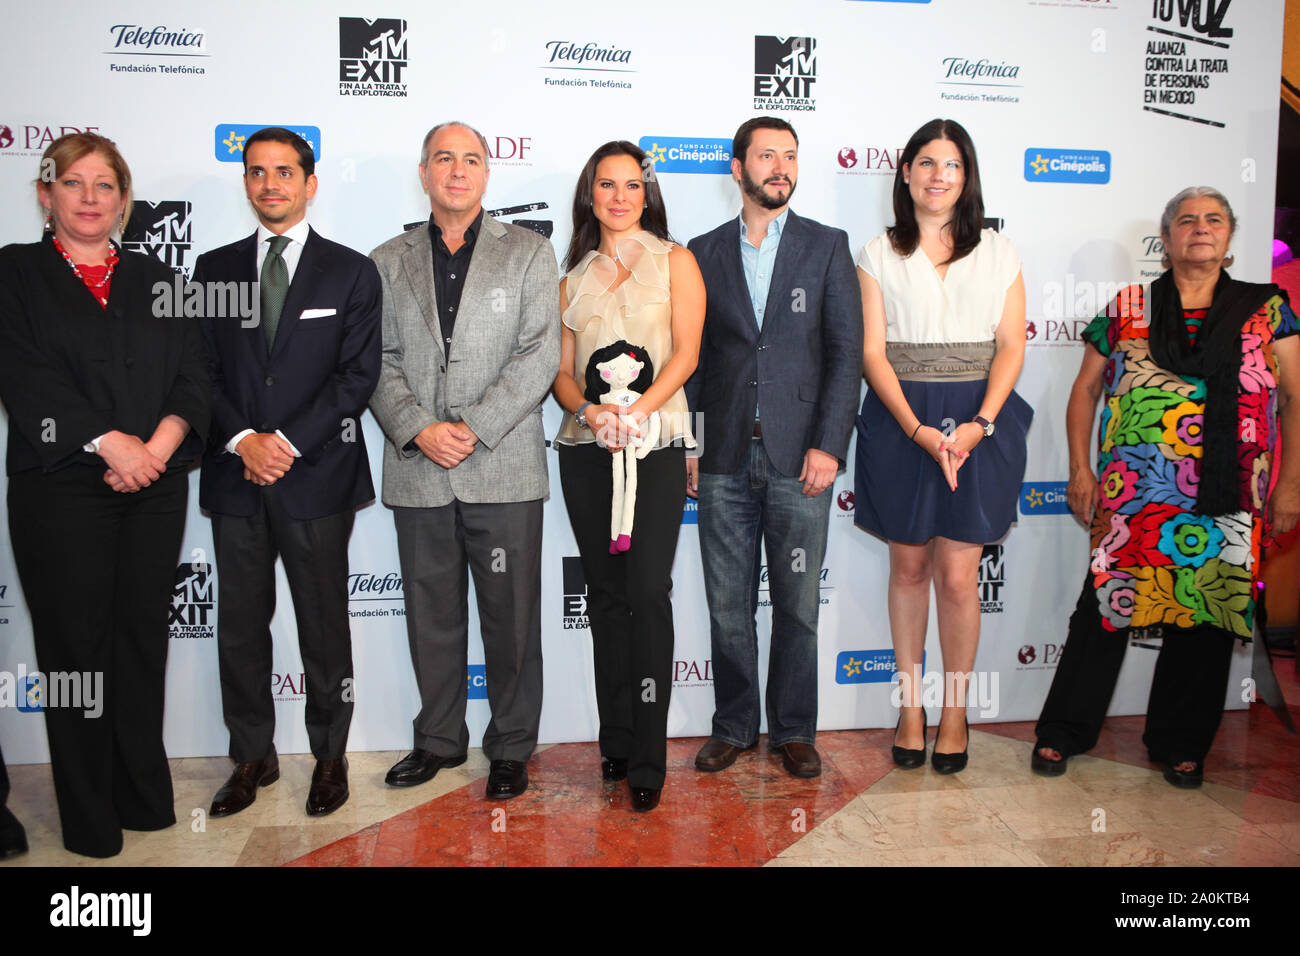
(355, 850)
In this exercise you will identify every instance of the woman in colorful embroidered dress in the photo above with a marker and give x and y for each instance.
(629, 290)
(1198, 377)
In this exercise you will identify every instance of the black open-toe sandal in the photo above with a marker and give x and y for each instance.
(1185, 779)
(1045, 766)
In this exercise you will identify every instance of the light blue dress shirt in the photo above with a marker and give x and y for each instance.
(758, 263)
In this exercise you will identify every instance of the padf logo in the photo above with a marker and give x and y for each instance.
(844, 503)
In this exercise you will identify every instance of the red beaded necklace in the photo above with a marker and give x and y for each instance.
(98, 285)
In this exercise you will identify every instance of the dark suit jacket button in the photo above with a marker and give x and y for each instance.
(128, 362)
(270, 380)
(753, 383)
(265, 428)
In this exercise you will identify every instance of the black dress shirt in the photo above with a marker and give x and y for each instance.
(449, 274)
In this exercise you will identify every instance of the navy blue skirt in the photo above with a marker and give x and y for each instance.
(900, 493)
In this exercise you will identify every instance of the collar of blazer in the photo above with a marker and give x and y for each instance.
(417, 262)
(726, 251)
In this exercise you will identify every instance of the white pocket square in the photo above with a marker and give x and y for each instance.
(317, 313)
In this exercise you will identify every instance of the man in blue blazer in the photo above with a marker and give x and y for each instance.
(777, 388)
(286, 466)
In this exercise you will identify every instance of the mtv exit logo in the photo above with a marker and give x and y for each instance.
(229, 138)
(1044, 498)
(865, 667)
(161, 230)
(785, 69)
(373, 57)
(677, 154)
(476, 682)
(1044, 165)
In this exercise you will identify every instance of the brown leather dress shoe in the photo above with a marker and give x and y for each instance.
(240, 790)
(329, 787)
(800, 759)
(718, 755)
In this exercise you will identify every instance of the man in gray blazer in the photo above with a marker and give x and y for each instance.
(777, 386)
(471, 348)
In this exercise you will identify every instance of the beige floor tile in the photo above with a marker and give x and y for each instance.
(1125, 848)
(936, 818)
(1051, 808)
(1242, 845)
(916, 781)
(849, 832)
(1151, 802)
(272, 846)
(991, 854)
(1287, 834)
(1253, 807)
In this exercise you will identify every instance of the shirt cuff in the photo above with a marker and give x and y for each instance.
(234, 442)
(292, 448)
(92, 446)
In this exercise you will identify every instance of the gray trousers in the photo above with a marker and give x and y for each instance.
(501, 545)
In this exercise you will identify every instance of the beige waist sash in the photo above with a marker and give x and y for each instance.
(940, 361)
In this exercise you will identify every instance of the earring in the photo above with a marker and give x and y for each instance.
(49, 221)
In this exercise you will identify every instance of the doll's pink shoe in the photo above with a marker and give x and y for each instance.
(624, 542)
(613, 546)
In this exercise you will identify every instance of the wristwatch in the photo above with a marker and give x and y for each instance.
(580, 416)
(985, 424)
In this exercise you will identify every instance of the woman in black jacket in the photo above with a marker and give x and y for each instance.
(108, 398)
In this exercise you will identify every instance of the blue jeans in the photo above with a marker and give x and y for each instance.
(735, 510)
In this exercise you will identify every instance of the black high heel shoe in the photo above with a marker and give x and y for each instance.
(910, 759)
(951, 763)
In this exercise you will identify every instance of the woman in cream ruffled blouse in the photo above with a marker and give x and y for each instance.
(629, 285)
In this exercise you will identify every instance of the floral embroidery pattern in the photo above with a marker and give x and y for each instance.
(1155, 560)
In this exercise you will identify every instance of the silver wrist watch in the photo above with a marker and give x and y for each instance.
(580, 416)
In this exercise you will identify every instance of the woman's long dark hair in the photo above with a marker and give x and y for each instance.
(967, 214)
(586, 228)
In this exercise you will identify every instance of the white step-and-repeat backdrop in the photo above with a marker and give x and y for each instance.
(1087, 116)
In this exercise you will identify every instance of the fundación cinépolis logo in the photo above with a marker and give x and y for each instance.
(228, 139)
(1044, 498)
(1045, 165)
(785, 70)
(162, 230)
(688, 154)
(373, 57)
(160, 43)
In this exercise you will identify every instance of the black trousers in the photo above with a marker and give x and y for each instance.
(98, 569)
(628, 600)
(315, 555)
(501, 545)
(1187, 689)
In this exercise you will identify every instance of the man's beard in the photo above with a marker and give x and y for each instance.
(755, 192)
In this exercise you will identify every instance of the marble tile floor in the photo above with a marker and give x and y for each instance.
(1111, 809)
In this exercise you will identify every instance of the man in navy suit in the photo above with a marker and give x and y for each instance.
(287, 466)
(777, 385)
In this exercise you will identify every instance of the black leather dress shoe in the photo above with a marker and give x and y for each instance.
(613, 768)
(506, 779)
(329, 787)
(951, 763)
(718, 755)
(418, 767)
(240, 790)
(13, 838)
(645, 799)
(800, 759)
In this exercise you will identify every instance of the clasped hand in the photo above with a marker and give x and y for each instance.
(446, 443)
(132, 463)
(267, 457)
(616, 426)
(952, 450)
